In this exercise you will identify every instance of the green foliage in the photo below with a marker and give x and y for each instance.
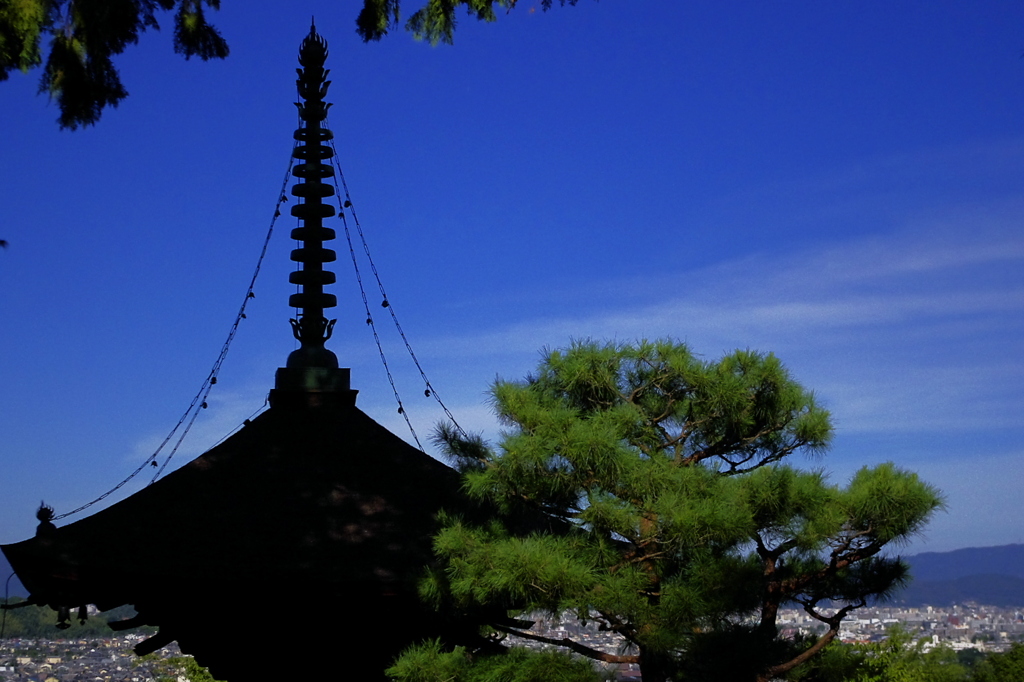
(174, 668)
(969, 657)
(897, 659)
(85, 35)
(435, 21)
(40, 622)
(21, 22)
(1007, 666)
(192, 671)
(643, 488)
(429, 662)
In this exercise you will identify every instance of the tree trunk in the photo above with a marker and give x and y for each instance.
(653, 667)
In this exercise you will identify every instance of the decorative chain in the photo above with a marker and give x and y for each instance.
(199, 402)
(429, 390)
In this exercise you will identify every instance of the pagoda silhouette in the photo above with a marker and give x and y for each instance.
(292, 549)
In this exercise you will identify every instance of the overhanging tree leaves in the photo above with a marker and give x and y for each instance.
(435, 21)
(671, 518)
(85, 35)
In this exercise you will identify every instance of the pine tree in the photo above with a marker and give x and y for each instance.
(643, 489)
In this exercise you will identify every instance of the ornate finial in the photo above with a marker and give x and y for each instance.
(312, 377)
(45, 517)
(44, 513)
(313, 51)
(311, 328)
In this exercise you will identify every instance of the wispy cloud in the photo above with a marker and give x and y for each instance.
(896, 333)
(982, 490)
(915, 337)
(226, 413)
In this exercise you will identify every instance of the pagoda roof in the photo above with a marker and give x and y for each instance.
(298, 497)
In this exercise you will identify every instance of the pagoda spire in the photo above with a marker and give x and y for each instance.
(312, 368)
(311, 327)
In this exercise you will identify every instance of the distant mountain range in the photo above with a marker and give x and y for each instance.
(988, 575)
(960, 563)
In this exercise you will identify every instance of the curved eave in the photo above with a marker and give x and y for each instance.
(321, 503)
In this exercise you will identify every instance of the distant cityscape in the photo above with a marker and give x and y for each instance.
(85, 660)
(967, 626)
(955, 583)
(986, 629)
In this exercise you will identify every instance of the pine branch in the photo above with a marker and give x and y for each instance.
(572, 645)
(776, 670)
(618, 626)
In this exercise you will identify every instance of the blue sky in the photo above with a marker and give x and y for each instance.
(840, 183)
